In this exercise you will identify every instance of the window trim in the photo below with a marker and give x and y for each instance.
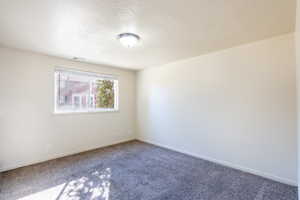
(90, 73)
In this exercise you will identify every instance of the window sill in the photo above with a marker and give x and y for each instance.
(85, 112)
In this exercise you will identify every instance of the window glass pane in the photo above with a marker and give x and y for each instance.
(83, 92)
(105, 94)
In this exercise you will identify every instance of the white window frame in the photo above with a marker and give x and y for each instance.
(88, 73)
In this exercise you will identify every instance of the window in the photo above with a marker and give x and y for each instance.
(77, 91)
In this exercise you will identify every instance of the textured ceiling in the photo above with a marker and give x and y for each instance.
(170, 29)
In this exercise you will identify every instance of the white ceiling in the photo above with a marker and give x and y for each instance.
(169, 29)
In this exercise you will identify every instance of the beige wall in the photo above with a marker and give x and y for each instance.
(297, 35)
(236, 107)
(30, 132)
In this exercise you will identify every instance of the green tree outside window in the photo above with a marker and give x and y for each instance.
(105, 94)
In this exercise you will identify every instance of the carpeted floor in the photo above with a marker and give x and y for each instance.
(135, 171)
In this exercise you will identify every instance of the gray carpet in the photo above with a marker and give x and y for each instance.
(133, 171)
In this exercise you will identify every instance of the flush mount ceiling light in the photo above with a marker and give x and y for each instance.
(128, 39)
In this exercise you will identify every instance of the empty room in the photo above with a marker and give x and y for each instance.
(149, 100)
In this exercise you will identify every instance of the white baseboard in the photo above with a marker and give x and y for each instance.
(227, 164)
(19, 165)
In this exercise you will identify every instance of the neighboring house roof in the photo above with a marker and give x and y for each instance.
(76, 87)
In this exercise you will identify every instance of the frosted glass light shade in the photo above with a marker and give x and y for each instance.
(128, 39)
